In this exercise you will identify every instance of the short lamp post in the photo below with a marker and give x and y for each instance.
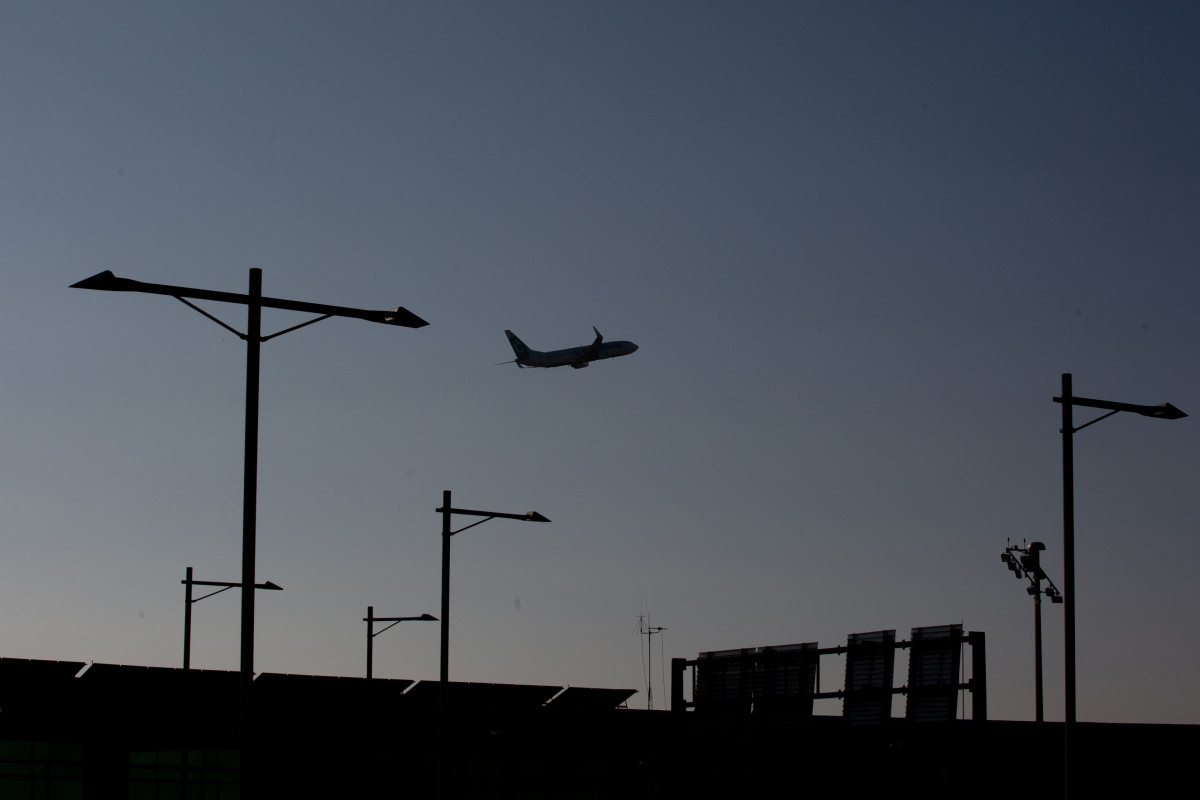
(371, 619)
(446, 511)
(187, 606)
(1069, 401)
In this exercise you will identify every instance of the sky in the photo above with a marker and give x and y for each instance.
(857, 243)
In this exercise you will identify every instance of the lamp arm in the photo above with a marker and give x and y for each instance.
(210, 594)
(381, 630)
(295, 327)
(472, 525)
(197, 308)
(1097, 419)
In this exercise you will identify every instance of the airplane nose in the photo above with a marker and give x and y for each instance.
(632, 347)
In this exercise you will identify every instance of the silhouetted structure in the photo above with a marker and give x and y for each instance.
(188, 600)
(371, 619)
(447, 518)
(1027, 562)
(777, 685)
(255, 302)
(1068, 430)
(70, 730)
(103, 730)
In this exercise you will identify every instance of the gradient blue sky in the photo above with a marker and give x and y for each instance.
(857, 243)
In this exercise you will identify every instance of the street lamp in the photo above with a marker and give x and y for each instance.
(254, 302)
(446, 511)
(187, 607)
(371, 619)
(1068, 401)
(1026, 562)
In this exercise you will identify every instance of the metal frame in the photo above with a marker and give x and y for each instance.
(977, 685)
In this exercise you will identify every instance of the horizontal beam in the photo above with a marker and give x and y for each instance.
(227, 584)
(528, 516)
(107, 282)
(1161, 411)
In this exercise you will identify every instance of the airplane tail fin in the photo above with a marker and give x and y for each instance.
(519, 347)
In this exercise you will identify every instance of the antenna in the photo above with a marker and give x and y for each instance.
(644, 629)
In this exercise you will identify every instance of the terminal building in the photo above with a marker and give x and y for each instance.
(741, 723)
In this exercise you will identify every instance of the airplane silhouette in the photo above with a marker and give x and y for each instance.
(577, 357)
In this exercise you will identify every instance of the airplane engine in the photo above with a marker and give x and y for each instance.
(581, 366)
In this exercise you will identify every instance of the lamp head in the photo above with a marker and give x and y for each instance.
(1164, 411)
(104, 281)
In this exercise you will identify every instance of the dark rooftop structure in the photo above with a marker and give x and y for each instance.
(69, 729)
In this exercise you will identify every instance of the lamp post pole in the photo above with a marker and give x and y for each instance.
(188, 583)
(1068, 455)
(446, 511)
(444, 677)
(444, 655)
(187, 620)
(250, 484)
(255, 302)
(371, 619)
(1069, 401)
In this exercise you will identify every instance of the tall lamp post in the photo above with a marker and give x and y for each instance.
(446, 511)
(187, 607)
(1069, 401)
(371, 619)
(255, 303)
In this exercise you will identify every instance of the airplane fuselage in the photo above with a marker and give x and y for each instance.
(577, 357)
(573, 356)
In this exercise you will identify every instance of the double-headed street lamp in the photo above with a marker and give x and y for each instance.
(1069, 401)
(255, 303)
(446, 511)
(371, 619)
(187, 607)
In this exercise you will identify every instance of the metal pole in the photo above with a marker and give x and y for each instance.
(187, 620)
(250, 515)
(444, 677)
(1037, 642)
(370, 638)
(445, 666)
(1068, 431)
(650, 670)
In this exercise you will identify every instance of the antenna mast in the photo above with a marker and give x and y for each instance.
(644, 629)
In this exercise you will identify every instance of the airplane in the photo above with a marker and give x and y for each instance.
(577, 357)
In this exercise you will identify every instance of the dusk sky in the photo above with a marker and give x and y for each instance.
(857, 244)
